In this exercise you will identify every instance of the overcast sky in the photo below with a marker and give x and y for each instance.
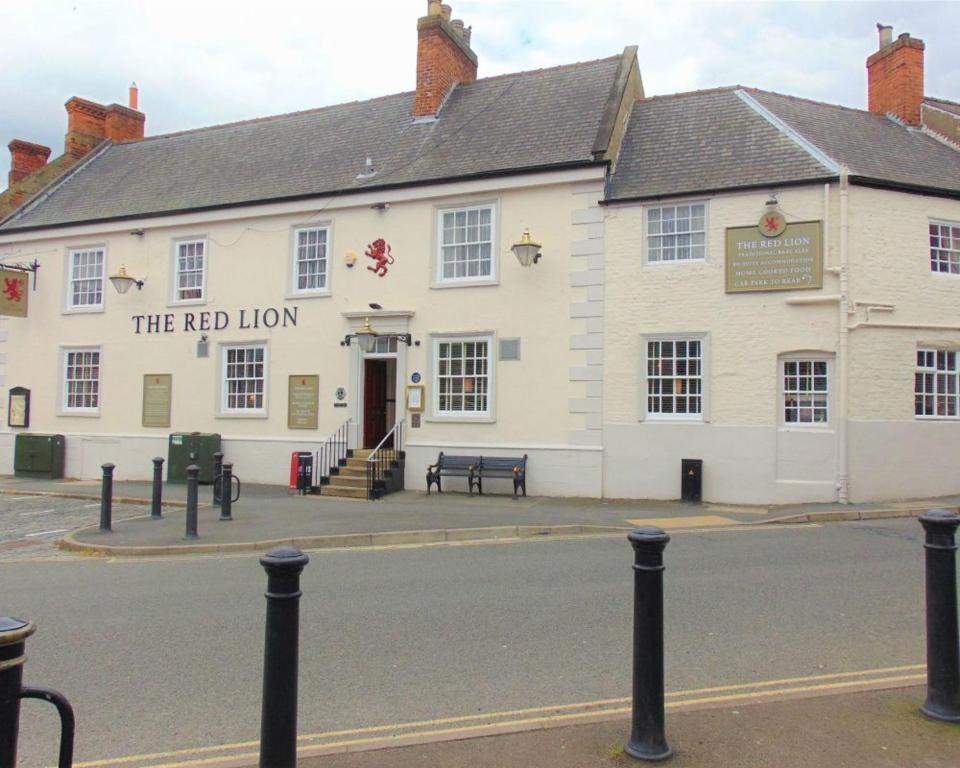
(203, 62)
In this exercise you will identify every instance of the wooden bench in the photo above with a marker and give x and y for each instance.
(453, 466)
(475, 468)
(504, 466)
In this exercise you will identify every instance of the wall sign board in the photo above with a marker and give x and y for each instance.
(789, 261)
(13, 293)
(303, 402)
(157, 396)
(18, 410)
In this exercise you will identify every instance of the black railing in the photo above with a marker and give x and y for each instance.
(383, 472)
(333, 453)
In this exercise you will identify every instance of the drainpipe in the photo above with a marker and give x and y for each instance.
(843, 353)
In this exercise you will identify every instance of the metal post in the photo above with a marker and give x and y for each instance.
(106, 499)
(217, 484)
(943, 636)
(13, 636)
(155, 511)
(226, 492)
(193, 472)
(647, 738)
(278, 722)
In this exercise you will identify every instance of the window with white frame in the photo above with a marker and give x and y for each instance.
(945, 247)
(466, 244)
(86, 278)
(190, 271)
(310, 259)
(675, 378)
(806, 391)
(462, 376)
(244, 378)
(935, 387)
(677, 232)
(81, 380)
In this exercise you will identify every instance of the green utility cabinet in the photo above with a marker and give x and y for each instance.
(39, 456)
(186, 448)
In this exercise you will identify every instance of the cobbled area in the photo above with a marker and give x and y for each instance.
(29, 525)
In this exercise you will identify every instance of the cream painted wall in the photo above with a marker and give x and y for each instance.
(249, 268)
(749, 456)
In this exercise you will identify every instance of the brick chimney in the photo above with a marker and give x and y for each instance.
(89, 123)
(444, 58)
(895, 76)
(25, 158)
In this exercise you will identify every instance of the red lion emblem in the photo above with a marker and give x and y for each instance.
(772, 223)
(379, 251)
(11, 289)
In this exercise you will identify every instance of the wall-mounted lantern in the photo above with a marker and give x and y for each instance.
(367, 337)
(526, 250)
(123, 282)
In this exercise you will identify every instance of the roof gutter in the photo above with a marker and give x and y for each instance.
(311, 195)
(898, 186)
(719, 190)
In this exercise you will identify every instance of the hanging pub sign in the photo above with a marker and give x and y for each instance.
(13, 293)
(774, 255)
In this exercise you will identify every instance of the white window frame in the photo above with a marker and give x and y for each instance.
(293, 283)
(647, 234)
(99, 306)
(175, 271)
(937, 391)
(492, 278)
(689, 418)
(65, 408)
(468, 416)
(225, 410)
(805, 357)
(953, 253)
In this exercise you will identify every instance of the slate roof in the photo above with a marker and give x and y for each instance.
(706, 141)
(947, 106)
(512, 123)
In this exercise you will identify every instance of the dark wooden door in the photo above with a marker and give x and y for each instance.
(374, 402)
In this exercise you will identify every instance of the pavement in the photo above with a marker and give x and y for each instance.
(267, 516)
(873, 729)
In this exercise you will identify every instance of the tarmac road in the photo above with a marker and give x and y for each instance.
(161, 655)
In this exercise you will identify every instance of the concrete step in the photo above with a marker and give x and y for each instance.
(349, 481)
(361, 453)
(352, 470)
(344, 492)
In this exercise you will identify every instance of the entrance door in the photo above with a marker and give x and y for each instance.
(374, 402)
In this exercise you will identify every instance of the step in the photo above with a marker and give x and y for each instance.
(344, 492)
(349, 481)
(362, 453)
(352, 471)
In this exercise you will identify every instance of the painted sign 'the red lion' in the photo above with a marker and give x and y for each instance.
(379, 251)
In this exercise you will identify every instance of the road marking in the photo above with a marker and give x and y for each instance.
(529, 718)
(35, 512)
(693, 521)
(46, 533)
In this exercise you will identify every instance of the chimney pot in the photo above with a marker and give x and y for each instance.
(134, 99)
(447, 11)
(457, 24)
(886, 35)
(467, 34)
(434, 8)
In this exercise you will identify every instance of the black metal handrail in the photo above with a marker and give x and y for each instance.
(382, 459)
(333, 451)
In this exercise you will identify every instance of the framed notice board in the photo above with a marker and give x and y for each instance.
(157, 395)
(18, 409)
(303, 402)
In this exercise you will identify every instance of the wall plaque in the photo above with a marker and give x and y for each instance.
(790, 261)
(303, 402)
(157, 396)
(13, 293)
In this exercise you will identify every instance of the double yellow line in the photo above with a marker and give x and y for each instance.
(516, 720)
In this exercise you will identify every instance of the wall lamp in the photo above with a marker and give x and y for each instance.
(366, 337)
(526, 250)
(123, 282)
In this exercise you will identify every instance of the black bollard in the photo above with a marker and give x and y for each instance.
(217, 483)
(647, 738)
(106, 499)
(13, 637)
(155, 511)
(278, 720)
(226, 492)
(943, 636)
(193, 472)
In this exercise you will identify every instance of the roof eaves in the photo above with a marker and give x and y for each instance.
(45, 192)
(806, 145)
(899, 186)
(720, 190)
